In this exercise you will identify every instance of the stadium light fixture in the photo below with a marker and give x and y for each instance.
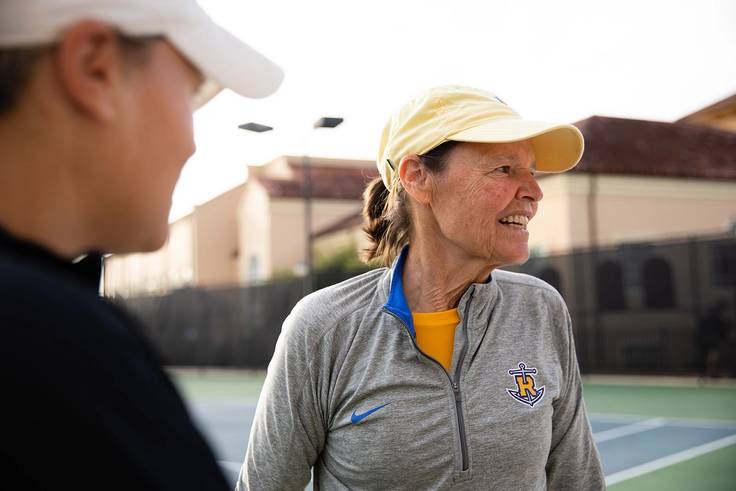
(323, 122)
(255, 127)
(327, 122)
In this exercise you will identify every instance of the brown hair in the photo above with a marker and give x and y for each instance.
(17, 65)
(386, 218)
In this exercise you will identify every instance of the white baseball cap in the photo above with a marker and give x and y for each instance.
(223, 59)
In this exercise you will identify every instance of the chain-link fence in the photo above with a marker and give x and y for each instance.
(665, 307)
(235, 326)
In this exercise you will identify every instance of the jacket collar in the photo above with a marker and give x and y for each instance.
(88, 269)
(483, 295)
(396, 302)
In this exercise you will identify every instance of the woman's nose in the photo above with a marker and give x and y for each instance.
(529, 187)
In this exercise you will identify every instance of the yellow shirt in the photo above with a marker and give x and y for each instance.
(436, 334)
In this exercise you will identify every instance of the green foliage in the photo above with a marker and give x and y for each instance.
(343, 259)
(284, 275)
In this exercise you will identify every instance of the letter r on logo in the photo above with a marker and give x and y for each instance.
(525, 383)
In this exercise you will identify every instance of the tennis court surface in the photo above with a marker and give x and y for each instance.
(652, 434)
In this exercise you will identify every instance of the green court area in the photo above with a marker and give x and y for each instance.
(685, 400)
(215, 384)
(652, 433)
(674, 398)
(709, 472)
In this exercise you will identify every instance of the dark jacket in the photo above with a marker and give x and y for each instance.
(85, 401)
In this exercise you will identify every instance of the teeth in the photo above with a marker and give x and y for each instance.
(517, 219)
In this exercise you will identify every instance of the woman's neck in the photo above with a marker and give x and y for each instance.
(436, 275)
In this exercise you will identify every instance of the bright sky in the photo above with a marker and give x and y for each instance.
(559, 61)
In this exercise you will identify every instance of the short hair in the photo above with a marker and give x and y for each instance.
(16, 67)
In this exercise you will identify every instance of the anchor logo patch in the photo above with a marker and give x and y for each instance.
(526, 391)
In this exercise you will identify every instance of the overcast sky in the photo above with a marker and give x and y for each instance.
(559, 61)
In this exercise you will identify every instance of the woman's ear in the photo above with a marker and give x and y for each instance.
(415, 179)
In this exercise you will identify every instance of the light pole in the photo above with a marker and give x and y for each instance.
(324, 122)
(308, 285)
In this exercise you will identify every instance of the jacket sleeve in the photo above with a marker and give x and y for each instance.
(288, 429)
(573, 462)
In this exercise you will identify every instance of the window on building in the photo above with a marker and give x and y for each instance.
(254, 268)
(551, 276)
(609, 284)
(658, 288)
(723, 263)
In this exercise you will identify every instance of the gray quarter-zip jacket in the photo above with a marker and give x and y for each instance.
(349, 395)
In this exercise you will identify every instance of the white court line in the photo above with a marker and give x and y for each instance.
(231, 466)
(683, 422)
(670, 460)
(616, 418)
(618, 432)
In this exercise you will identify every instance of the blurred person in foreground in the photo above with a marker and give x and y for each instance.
(96, 101)
(439, 371)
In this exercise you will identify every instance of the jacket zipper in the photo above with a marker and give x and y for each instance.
(456, 388)
(454, 383)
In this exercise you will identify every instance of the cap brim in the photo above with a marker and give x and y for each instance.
(557, 147)
(226, 62)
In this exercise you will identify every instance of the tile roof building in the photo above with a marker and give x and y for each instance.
(721, 115)
(272, 225)
(637, 181)
(253, 232)
(620, 146)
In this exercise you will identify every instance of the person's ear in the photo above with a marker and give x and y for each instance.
(415, 179)
(90, 68)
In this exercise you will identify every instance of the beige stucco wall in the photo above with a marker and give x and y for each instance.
(216, 240)
(271, 230)
(628, 209)
(658, 208)
(201, 250)
(288, 233)
(254, 232)
(179, 252)
(240, 236)
(551, 227)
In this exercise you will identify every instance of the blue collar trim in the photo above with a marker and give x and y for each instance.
(396, 303)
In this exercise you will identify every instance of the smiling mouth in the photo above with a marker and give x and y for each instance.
(516, 221)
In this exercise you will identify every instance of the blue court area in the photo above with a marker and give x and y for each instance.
(630, 446)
